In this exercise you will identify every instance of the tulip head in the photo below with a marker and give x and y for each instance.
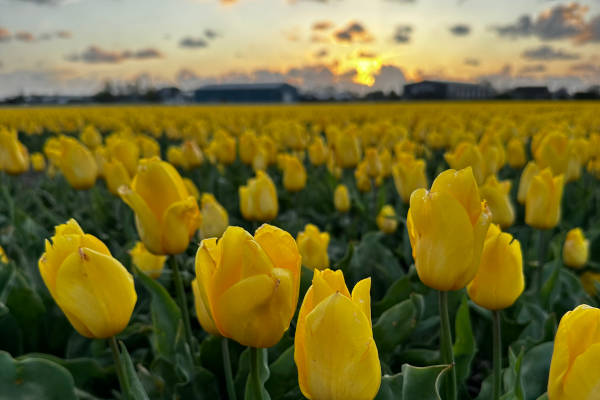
(543, 201)
(341, 198)
(386, 219)
(191, 188)
(192, 154)
(258, 198)
(409, 175)
(115, 175)
(589, 281)
(496, 194)
(93, 289)
(347, 149)
(447, 226)
(76, 162)
(530, 170)
(214, 217)
(515, 153)
(38, 162)
(247, 287)
(3, 257)
(334, 351)
(294, 174)
(552, 152)
(576, 249)
(90, 137)
(465, 155)
(317, 152)
(150, 264)
(313, 247)
(14, 157)
(373, 165)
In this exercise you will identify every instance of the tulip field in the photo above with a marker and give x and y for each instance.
(407, 251)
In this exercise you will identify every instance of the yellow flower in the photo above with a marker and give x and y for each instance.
(576, 249)
(14, 157)
(447, 227)
(386, 219)
(175, 156)
(192, 155)
(553, 152)
(124, 150)
(258, 198)
(515, 153)
(373, 165)
(574, 372)
(115, 175)
(385, 158)
(363, 181)
(341, 198)
(531, 170)
(90, 137)
(149, 147)
(225, 149)
(334, 351)
(191, 188)
(247, 287)
(214, 217)
(76, 163)
(3, 257)
(347, 150)
(38, 162)
(467, 155)
(498, 200)
(588, 281)
(247, 147)
(409, 175)
(93, 289)
(313, 247)
(318, 151)
(150, 264)
(499, 280)
(166, 215)
(543, 201)
(294, 174)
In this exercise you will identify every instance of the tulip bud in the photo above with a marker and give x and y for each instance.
(214, 217)
(574, 370)
(294, 175)
(38, 162)
(258, 198)
(386, 219)
(76, 163)
(494, 156)
(14, 157)
(93, 289)
(191, 188)
(409, 175)
(313, 247)
(150, 264)
(363, 181)
(317, 152)
(515, 153)
(247, 147)
(499, 280)
(192, 155)
(334, 349)
(166, 215)
(347, 150)
(124, 150)
(149, 147)
(175, 156)
(372, 163)
(90, 137)
(467, 155)
(496, 194)
(447, 226)
(543, 201)
(576, 249)
(341, 198)
(552, 152)
(531, 169)
(247, 287)
(115, 175)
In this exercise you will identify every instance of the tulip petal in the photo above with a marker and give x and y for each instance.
(202, 310)
(583, 379)
(147, 223)
(462, 186)
(361, 296)
(180, 221)
(328, 282)
(300, 338)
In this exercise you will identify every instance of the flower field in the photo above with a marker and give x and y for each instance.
(393, 251)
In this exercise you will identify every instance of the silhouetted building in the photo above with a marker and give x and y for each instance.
(531, 93)
(247, 93)
(441, 90)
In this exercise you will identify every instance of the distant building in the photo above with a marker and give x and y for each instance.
(170, 95)
(440, 90)
(247, 93)
(531, 93)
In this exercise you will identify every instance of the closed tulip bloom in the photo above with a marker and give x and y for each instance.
(409, 175)
(385, 157)
(166, 215)
(175, 156)
(318, 151)
(386, 219)
(574, 373)
(247, 147)
(542, 205)
(115, 175)
(192, 154)
(248, 287)
(347, 150)
(76, 163)
(530, 170)
(576, 249)
(334, 350)
(552, 152)
(499, 280)
(494, 156)
(260, 162)
(496, 194)
(225, 149)
(38, 162)
(447, 226)
(214, 217)
(191, 188)
(92, 288)
(294, 175)
(341, 198)
(90, 137)
(126, 151)
(14, 157)
(149, 147)
(372, 163)
(515, 153)
(258, 198)
(467, 154)
(313, 247)
(150, 264)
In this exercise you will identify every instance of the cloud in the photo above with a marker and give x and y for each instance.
(548, 53)
(591, 32)
(354, 32)
(460, 30)
(586, 69)
(24, 36)
(316, 38)
(4, 35)
(321, 53)
(62, 34)
(193, 43)
(471, 62)
(46, 81)
(45, 2)
(366, 54)
(322, 25)
(533, 69)
(210, 34)
(97, 55)
(403, 33)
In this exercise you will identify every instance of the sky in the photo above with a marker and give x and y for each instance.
(74, 46)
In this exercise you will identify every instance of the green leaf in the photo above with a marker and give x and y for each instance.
(535, 369)
(344, 262)
(136, 390)
(259, 373)
(422, 383)
(391, 387)
(34, 378)
(465, 346)
(85, 371)
(400, 290)
(513, 384)
(396, 324)
(284, 376)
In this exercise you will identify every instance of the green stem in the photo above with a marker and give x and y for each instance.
(227, 368)
(446, 346)
(539, 275)
(255, 362)
(181, 299)
(497, 354)
(123, 382)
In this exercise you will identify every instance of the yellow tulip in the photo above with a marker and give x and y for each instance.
(515, 153)
(467, 155)
(576, 249)
(3, 257)
(214, 217)
(313, 247)
(247, 147)
(347, 150)
(543, 201)
(115, 175)
(499, 280)
(247, 287)
(409, 175)
(386, 219)
(225, 149)
(494, 156)
(341, 198)
(150, 264)
(192, 154)
(334, 169)
(90, 137)
(363, 181)
(258, 198)
(317, 152)
(593, 167)
(530, 170)
(124, 150)
(589, 280)
(93, 289)
(574, 373)
(385, 157)
(334, 350)
(496, 194)
(552, 152)
(14, 157)
(294, 175)
(260, 162)
(38, 162)
(149, 147)
(447, 226)
(175, 156)
(191, 188)
(76, 163)
(166, 215)
(373, 166)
